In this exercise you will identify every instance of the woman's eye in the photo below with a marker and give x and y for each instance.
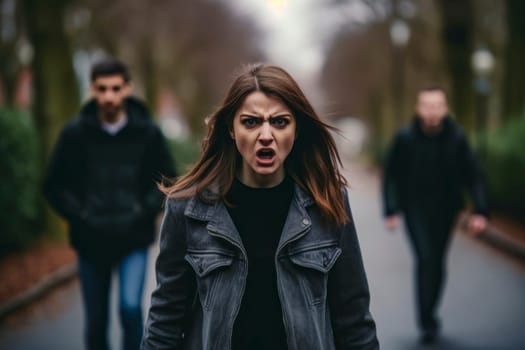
(249, 122)
(280, 122)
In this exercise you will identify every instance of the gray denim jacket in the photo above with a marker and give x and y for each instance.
(201, 273)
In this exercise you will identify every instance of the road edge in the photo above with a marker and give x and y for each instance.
(61, 275)
(504, 242)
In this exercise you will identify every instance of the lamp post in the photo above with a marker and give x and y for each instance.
(399, 36)
(482, 64)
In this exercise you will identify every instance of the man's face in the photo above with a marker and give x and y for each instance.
(110, 91)
(432, 108)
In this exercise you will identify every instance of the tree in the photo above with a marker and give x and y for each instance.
(514, 82)
(11, 36)
(189, 47)
(55, 87)
(361, 75)
(457, 37)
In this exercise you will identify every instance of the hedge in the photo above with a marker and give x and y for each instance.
(503, 154)
(20, 199)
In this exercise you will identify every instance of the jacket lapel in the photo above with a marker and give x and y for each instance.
(298, 222)
(220, 223)
(219, 220)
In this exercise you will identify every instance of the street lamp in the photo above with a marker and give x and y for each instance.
(482, 64)
(399, 37)
(399, 33)
(482, 61)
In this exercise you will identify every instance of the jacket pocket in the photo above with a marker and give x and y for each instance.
(209, 270)
(313, 266)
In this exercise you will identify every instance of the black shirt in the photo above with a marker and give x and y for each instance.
(259, 215)
(432, 172)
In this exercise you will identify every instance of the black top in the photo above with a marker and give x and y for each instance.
(105, 185)
(432, 171)
(259, 215)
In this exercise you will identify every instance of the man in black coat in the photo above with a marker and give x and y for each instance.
(428, 169)
(102, 179)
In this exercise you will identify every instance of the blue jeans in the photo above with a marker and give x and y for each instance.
(95, 282)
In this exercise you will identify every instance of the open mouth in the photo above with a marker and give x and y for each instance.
(265, 153)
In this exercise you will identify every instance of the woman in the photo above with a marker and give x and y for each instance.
(258, 249)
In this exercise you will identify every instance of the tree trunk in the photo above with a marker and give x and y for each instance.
(514, 82)
(457, 33)
(55, 88)
(8, 73)
(148, 73)
(9, 65)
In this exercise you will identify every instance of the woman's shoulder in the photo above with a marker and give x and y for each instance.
(176, 206)
(185, 200)
(177, 201)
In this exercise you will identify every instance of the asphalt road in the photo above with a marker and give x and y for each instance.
(483, 307)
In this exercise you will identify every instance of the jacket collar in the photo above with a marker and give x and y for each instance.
(220, 223)
(136, 111)
(447, 126)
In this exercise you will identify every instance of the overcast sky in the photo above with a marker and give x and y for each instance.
(290, 40)
(298, 31)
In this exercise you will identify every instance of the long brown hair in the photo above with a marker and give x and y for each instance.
(313, 162)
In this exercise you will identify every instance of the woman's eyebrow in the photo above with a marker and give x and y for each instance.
(276, 115)
(251, 115)
(280, 115)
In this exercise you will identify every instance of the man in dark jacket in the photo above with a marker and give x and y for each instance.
(429, 166)
(102, 179)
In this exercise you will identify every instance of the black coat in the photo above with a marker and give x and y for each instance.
(432, 172)
(105, 185)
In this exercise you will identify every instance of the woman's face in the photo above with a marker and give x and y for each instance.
(264, 133)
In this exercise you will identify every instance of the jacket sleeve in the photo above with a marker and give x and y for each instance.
(390, 184)
(61, 180)
(158, 163)
(175, 291)
(473, 177)
(349, 297)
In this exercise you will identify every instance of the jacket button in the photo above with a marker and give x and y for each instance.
(306, 222)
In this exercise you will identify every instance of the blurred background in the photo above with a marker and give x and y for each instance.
(360, 62)
(363, 59)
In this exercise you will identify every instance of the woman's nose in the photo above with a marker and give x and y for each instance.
(266, 132)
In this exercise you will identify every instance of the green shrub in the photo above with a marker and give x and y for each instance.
(185, 152)
(503, 153)
(20, 199)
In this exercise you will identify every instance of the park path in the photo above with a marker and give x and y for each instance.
(483, 306)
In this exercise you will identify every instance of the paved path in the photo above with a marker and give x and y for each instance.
(483, 307)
